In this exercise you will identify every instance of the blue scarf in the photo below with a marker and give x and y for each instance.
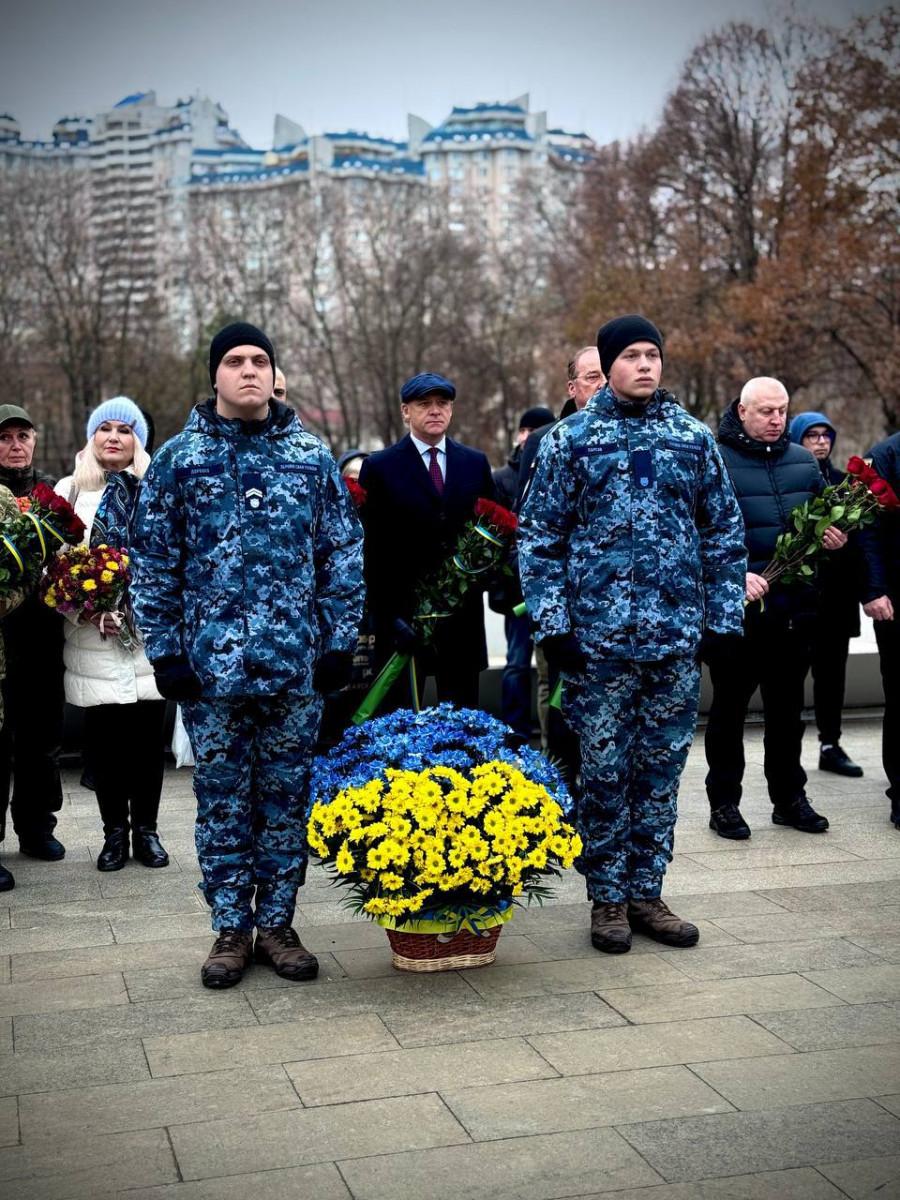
(115, 513)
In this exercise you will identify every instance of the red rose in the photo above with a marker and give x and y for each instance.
(855, 465)
(357, 494)
(878, 487)
(501, 518)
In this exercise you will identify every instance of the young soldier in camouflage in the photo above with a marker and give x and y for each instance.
(248, 592)
(630, 548)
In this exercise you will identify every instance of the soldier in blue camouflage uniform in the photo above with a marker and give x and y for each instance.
(631, 548)
(248, 591)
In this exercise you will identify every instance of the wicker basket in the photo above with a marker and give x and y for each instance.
(441, 951)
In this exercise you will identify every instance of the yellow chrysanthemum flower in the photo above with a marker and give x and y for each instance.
(89, 585)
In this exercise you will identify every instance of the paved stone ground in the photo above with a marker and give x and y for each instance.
(763, 1064)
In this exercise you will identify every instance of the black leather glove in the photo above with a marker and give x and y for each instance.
(175, 679)
(333, 671)
(406, 640)
(718, 649)
(564, 654)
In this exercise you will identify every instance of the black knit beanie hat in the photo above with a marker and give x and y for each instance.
(239, 334)
(619, 333)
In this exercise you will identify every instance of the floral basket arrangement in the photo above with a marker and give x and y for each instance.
(437, 826)
(92, 579)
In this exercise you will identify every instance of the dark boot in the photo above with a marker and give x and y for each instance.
(42, 845)
(114, 854)
(832, 758)
(282, 949)
(231, 955)
(610, 931)
(7, 883)
(656, 920)
(147, 848)
(801, 815)
(728, 823)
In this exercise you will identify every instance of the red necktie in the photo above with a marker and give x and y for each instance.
(434, 471)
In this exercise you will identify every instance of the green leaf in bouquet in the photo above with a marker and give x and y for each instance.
(837, 512)
(807, 570)
(823, 523)
(800, 518)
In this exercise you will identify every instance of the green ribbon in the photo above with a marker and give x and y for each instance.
(14, 552)
(555, 700)
(521, 610)
(384, 681)
(452, 920)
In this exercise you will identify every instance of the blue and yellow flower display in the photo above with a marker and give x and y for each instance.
(434, 820)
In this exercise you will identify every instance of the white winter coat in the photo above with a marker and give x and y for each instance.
(100, 670)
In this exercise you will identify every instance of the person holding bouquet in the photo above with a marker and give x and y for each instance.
(248, 590)
(113, 682)
(630, 550)
(29, 747)
(8, 604)
(771, 476)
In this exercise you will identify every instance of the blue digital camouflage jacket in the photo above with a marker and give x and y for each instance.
(247, 553)
(630, 536)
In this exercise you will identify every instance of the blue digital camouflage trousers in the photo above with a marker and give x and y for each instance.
(252, 769)
(636, 721)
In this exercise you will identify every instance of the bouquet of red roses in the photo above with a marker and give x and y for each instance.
(92, 579)
(29, 538)
(481, 547)
(848, 505)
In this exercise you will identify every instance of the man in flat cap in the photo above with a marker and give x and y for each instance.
(631, 548)
(420, 493)
(248, 591)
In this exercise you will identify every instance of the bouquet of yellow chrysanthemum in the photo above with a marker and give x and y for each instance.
(436, 822)
(92, 579)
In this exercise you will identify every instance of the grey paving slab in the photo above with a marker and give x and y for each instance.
(73, 889)
(302, 1136)
(719, 998)
(808, 924)
(89, 991)
(543, 1167)
(765, 879)
(323, 1037)
(860, 985)
(883, 945)
(345, 996)
(6, 1037)
(891, 1102)
(25, 916)
(9, 1121)
(154, 1103)
(148, 883)
(319, 1182)
(115, 1061)
(168, 982)
(478, 1019)
(588, 1051)
(746, 1142)
(828, 1028)
(55, 1031)
(88, 1167)
(776, 853)
(99, 960)
(817, 1076)
(834, 896)
(348, 935)
(576, 943)
(5, 972)
(868, 1179)
(161, 928)
(774, 958)
(802, 1183)
(573, 975)
(65, 935)
(405, 1072)
(581, 1102)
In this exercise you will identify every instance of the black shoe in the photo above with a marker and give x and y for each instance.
(148, 849)
(114, 854)
(832, 758)
(895, 819)
(728, 823)
(801, 815)
(7, 883)
(44, 846)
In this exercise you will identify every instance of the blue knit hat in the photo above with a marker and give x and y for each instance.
(120, 408)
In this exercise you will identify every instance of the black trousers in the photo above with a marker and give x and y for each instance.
(775, 658)
(887, 634)
(125, 744)
(30, 741)
(829, 672)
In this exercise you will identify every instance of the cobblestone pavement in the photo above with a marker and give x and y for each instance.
(762, 1064)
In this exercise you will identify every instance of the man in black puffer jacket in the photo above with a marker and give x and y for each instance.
(771, 477)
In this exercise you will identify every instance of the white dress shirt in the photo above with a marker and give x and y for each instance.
(424, 449)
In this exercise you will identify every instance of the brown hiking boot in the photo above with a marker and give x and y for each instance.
(283, 950)
(610, 931)
(656, 920)
(231, 955)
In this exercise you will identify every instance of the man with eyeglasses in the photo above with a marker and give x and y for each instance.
(838, 616)
(771, 477)
(630, 549)
(420, 493)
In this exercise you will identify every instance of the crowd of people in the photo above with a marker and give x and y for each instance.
(269, 582)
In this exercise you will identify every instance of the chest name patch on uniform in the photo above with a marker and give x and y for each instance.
(254, 492)
(199, 471)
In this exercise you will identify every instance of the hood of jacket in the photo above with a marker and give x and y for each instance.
(205, 419)
(732, 433)
(803, 422)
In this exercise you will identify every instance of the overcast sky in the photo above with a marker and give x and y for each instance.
(604, 66)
